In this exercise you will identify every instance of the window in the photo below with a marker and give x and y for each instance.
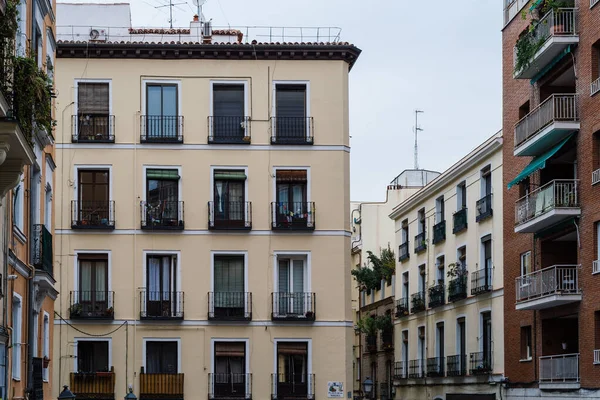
(93, 205)
(48, 209)
(421, 346)
(292, 296)
(17, 322)
(229, 198)
(486, 181)
(524, 110)
(228, 121)
(439, 339)
(292, 369)
(162, 357)
(46, 344)
(22, 29)
(162, 298)
(486, 244)
(291, 199)
(461, 256)
(229, 368)
(440, 263)
(526, 353)
(405, 231)
(525, 263)
(291, 122)
(162, 196)
(37, 46)
(19, 205)
(461, 196)
(92, 356)
(439, 210)
(93, 111)
(92, 297)
(422, 280)
(486, 342)
(230, 299)
(162, 121)
(405, 349)
(461, 344)
(405, 282)
(421, 221)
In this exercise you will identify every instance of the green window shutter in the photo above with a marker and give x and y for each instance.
(231, 175)
(162, 174)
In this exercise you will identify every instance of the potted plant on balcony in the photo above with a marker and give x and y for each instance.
(75, 310)
(109, 312)
(417, 303)
(45, 362)
(309, 315)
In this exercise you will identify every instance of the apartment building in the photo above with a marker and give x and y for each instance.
(203, 219)
(26, 190)
(448, 334)
(550, 103)
(373, 231)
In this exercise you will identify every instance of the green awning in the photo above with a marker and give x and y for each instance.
(550, 65)
(162, 174)
(231, 175)
(538, 163)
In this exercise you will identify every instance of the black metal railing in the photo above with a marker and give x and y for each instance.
(437, 295)
(435, 367)
(230, 306)
(229, 130)
(91, 304)
(460, 220)
(416, 369)
(387, 339)
(457, 289)
(292, 130)
(420, 242)
(484, 208)
(439, 232)
(7, 53)
(161, 129)
(403, 252)
(371, 343)
(480, 363)
(162, 215)
(93, 128)
(229, 386)
(156, 304)
(37, 392)
(292, 386)
(456, 365)
(42, 248)
(400, 370)
(293, 306)
(481, 281)
(287, 216)
(402, 309)
(232, 215)
(92, 214)
(417, 302)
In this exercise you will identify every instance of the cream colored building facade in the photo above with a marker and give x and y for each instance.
(209, 255)
(449, 328)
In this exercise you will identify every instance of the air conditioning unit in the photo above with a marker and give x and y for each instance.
(207, 29)
(98, 34)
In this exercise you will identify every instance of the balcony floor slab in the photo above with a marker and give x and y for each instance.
(553, 300)
(547, 219)
(543, 140)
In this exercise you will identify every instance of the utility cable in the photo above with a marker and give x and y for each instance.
(86, 333)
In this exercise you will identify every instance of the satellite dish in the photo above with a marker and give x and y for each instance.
(199, 3)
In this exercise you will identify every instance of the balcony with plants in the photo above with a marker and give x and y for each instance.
(377, 269)
(420, 242)
(92, 305)
(437, 295)
(551, 34)
(402, 309)
(93, 214)
(457, 286)
(162, 215)
(42, 249)
(417, 302)
(372, 326)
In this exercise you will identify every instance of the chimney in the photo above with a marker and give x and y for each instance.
(196, 18)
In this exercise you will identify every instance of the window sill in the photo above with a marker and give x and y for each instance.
(19, 234)
(526, 360)
(16, 379)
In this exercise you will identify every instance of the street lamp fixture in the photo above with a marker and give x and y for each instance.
(368, 387)
(66, 394)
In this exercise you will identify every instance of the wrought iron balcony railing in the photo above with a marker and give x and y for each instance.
(292, 386)
(162, 215)
(402, 309)
(92, 214)
(42, 248)
(371, 343)
(400, 370)
(228, 130)
(403, 252)
(93, 385)
(481, 281)
(416, 369)
(457, 289)
(230, 306)
(92, 304)
(161, 305)
(93, 128)
(460, 221)
(437, 295)
(230, 215)
(293, 306)
(484, 208)
(161, 129)
(292, 130)
(435, 367)
(439, 232)
(161, 386)
(291, 216)
(420, 242)
(229, 386)
(417, 302)
(480, 363)
(456, 365)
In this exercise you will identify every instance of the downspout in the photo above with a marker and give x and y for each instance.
(30, 289)
(5, 286)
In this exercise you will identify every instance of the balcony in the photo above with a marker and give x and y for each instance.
(162, 216)
(37, 381)
(292, 130)
(596, 177)
(480, 363)
(416, 369)
(559, 372)
(417, 302)
(387, 339)
(230, 306)
(161, 386)
(456, 365)
(92, 305)
(484, 208)
(92, 214)
(93, 385)
(439, 232)
(596, 267)
(457, 289)
(161, 129)
(596, 356)
(228, 130)
(549, 287)
(371, 343)
(93, 128)
(403, 252)
(435, 367)
(437, 295)
(293, 306)
(402, 309)
(550, 38)
(157, 305)
(229, 386)
(460, 221)
(548, 124)
(42, 249)
(400, 370)
(420, 242)
(481, 281)
(232, 215)
(292, 386)
(297, 216)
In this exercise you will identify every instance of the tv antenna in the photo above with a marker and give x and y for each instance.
(417, 130)
(199, 4)
(170, 5)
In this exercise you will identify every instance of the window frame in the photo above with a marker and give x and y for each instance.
(440, 212)
(211, 109)
(291, 168)
(145, 340)
(98, 167)
(307, 111)
(46, 344)
(293, 255)
(217, 253)
(246, 341)
(145, 169)
(461, 196)
(526, 343)
(308, 341)
(168, 253)
(17, 335)
(174, 82)
(19, 207)
(110, 100)
(92, 339)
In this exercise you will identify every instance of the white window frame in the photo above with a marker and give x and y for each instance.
(178, 168)
(77, 253)
(46, 343)
(170, 253)
(309, 368)
(440, 341)
(422, 348)
(405, 279)
(522, 257)
(457, 336)
(230, 253)
(480, 341)
(246, 342)
(293, 255)
(154, 339)
(440, 204)
(292, 168)
(110, 99)
(17, 329)
(176, 82)
(211, 111)
(76, 340)
(274, 102)
(83, 167)
(459, 195)
(22, 28)
(403, 356)
(19, 207)
(34, 344)
(484, 174)
(228, 168)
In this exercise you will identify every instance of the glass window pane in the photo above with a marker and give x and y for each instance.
(154, 100)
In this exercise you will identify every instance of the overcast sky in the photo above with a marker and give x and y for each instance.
(439, 56)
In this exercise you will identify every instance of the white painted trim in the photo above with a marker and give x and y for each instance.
(36, 323)
(110, 98)
(214, 340)
(145, 340)
(46, 343)
(229, 168)
(176, 82)
(176, 253)
(92, 339)
(303, 255)
(146, 167)
(243, 82)
(78, 167)
(456, 338)
(214, 253)
(480, 337)
(188, 146)
(16, 356)
(274, 99)
(76, 266)
(202, 232)
(309, 368)
(293, 168)
(261, 323)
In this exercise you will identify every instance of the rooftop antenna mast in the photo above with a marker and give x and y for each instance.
(199, 4)
(170, 5)
(417, 130)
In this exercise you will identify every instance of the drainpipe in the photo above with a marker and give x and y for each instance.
(5, 286)
(30, 289)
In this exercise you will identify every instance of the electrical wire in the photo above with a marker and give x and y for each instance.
(87, 333)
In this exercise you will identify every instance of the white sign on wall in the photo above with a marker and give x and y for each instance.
(335, 390)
